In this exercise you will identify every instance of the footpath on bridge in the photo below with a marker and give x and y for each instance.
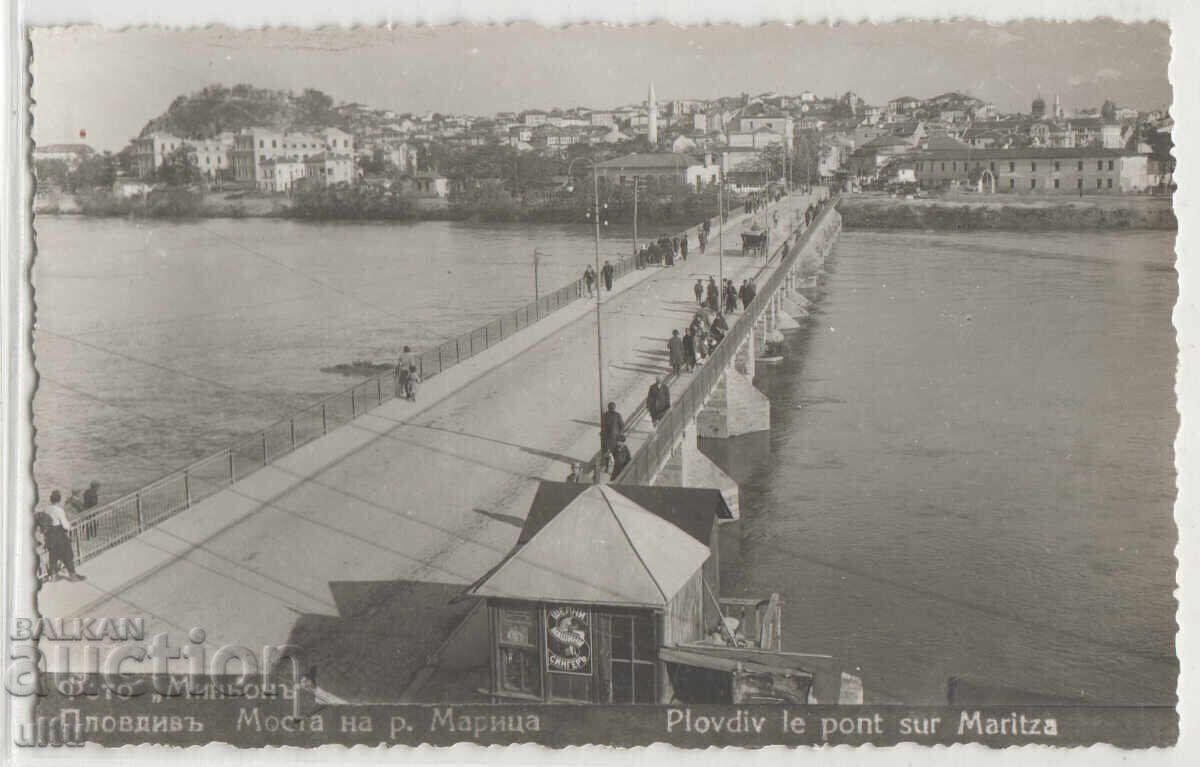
(432, 491)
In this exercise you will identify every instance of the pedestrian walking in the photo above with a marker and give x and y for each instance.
(714, 300)
(744, 294)
(654, 401)
(683, 246)
(621, 457)
(607, 271)
(731, 298)
(704, 238)
(612, 425)
(662, 400)
(689, 349)
(698, 289)
(675, 348)
(589, 278)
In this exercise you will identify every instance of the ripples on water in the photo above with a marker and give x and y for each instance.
(166, 341)
(970, 468)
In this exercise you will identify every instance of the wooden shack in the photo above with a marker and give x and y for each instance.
(602, 576)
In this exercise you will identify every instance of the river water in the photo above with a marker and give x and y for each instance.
(161, 342)
(970, 467)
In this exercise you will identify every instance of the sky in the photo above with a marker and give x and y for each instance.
(110, 83)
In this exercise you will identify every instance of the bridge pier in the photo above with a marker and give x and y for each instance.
(688, 467)
(734, 406)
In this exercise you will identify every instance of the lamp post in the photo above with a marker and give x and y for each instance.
(599, 279)
(536, 292)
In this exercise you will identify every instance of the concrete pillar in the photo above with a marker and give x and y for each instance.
(688, 467)
(744, 359)
(734, 407)
(785, 321)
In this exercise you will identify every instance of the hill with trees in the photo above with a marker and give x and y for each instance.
(215, 109)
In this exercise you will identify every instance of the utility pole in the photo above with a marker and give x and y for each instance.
(635, 196)
(599, 276)
(536, 292)
(721, 227)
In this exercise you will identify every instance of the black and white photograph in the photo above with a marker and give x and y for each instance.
(715, 384)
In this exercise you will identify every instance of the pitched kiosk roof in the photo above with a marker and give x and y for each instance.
(602, 548)
(691, 509)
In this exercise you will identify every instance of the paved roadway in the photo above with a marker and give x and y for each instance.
(431, 491)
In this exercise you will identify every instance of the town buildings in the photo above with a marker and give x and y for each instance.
(71, 154)
(694, 171)
(1091, 170)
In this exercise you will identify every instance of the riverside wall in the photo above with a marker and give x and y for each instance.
(1009, 212)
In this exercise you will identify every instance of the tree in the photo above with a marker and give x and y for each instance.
(806, 157)
(95, 172)
(1108, 112)
(314, 107)
(178, 168)
(51, 173)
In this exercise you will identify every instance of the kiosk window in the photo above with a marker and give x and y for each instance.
(633, 653)
(520, 663)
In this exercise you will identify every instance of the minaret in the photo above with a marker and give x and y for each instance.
(652, 116)
(1057, 107)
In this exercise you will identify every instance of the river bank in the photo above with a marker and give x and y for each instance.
(995, 213)
(352, 205)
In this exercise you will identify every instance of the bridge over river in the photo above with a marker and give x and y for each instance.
(436, 490)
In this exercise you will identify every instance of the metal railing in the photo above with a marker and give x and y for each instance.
(102, 528)
(654, 452)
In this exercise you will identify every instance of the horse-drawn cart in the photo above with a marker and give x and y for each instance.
(754, 243)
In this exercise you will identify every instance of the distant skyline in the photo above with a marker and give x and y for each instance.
(110, 83)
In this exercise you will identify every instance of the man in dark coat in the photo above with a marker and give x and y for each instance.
(719, 327)
(658, 400)
(698, 289)
(621, 457)
(663, 401)
(744, 294)
(607, 271)
(689, 349)
(612, 425)
(683, 247)
(675, 347)
(714, 301)
(731, 297)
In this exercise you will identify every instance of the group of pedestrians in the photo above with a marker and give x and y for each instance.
(724, 298)
(607, 273)
(407, 376)
(665, 250)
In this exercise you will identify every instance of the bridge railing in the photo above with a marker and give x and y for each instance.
(655, 452)
(104, 527)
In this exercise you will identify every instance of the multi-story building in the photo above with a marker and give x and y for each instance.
(1092, 170)
(758, 138)
(280, 174)
(251, 148)
(150, 151)
(214, 157)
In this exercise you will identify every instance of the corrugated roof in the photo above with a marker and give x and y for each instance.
(602, 548)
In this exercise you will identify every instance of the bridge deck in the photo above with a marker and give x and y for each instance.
(434, 490)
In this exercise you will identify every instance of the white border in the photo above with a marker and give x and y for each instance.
(1184, 18)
